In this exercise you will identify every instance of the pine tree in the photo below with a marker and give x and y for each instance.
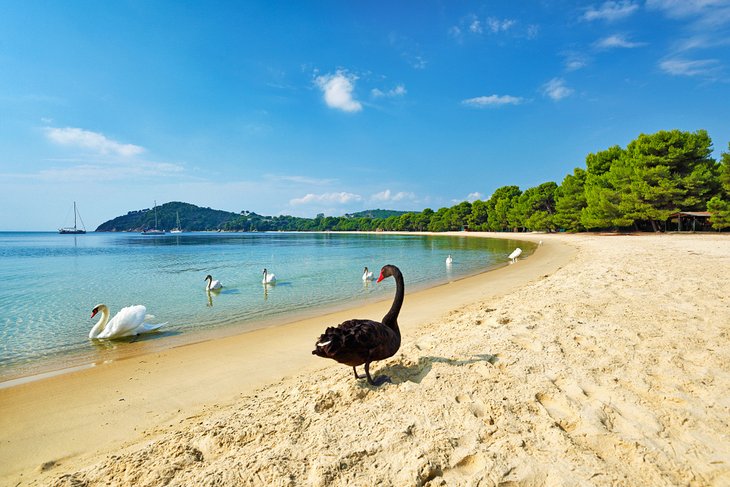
(570, 199)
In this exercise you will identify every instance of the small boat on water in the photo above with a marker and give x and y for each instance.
(155, 230)
(74, 230)
(177, 228)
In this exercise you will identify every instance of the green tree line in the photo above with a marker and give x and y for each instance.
(634, 188)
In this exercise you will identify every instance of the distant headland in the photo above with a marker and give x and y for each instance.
(192, 218)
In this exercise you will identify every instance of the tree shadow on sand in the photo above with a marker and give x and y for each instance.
(407, 371)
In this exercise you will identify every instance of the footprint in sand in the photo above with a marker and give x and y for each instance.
(528, 342)
(470, 464)
(474, 407)
(559, 409)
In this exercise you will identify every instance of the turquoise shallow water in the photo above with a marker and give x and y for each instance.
(49, 282)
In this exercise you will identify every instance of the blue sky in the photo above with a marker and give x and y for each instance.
(334, 107)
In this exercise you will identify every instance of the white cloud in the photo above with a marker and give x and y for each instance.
(492, 101)
(455, 32)
(417, 62)
(399, 90)
(556, 89)
(337, 89)
(575, 61)
(704, 22)
(471, 25)
(496, 25)
(471, 198)
(610, 11)
(617, 41)
(688, 67)
(342, 197)
(409, 50)
(91, 140)
(387, 195)
(300, 179)
(712, 12)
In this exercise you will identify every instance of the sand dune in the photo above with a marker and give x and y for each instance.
(607, 365)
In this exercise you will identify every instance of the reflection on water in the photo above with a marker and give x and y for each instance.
(211, 293)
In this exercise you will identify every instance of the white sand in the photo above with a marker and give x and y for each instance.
(605, 365)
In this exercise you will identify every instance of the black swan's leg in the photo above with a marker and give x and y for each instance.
(357, 376)
(378, 381)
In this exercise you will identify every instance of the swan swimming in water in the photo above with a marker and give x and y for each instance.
(268, 278)
(449, 260)
(367, 275)
(130, 321)
(213, 285)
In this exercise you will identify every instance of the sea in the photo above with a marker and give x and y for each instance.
(50, 282)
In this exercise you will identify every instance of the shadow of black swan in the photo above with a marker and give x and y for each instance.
(408, 371)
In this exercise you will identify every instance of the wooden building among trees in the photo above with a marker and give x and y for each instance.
(690, 221)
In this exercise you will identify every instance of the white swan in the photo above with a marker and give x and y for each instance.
(268, 278)
(367, 275)
(212, 285)
(516, 253)
(449, 260)
(129, 321)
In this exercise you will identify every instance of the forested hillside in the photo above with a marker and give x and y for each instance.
(195, 218)
(191, 218)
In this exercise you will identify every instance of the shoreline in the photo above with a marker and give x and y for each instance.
(91, 407)
(21, 370)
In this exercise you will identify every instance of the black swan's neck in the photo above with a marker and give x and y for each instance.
(391, 318)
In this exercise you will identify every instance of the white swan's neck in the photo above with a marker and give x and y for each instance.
(101, 324)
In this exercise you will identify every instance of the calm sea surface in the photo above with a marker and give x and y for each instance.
(49, 283)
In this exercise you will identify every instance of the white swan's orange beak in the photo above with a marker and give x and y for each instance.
(94, 311)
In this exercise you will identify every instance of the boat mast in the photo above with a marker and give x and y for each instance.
(74, 215)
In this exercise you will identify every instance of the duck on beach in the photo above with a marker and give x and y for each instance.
(213, 285)
(130, 321)
(356, 342)
(515, 253)
(268, 278)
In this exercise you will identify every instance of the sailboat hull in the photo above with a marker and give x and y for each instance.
(73, 230)
(154, 231)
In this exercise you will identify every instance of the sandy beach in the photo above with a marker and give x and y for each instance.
(598, 360)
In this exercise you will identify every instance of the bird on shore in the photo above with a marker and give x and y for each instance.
(357, 342)
(130, 321)
(268, 278)
(367, 275)
(449, 260)
(213, 285)
(516, 253)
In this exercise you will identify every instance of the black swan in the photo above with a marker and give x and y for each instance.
(357, 342)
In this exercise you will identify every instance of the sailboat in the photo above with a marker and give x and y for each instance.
(153, 231)
(74, 230)
(177, 228)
